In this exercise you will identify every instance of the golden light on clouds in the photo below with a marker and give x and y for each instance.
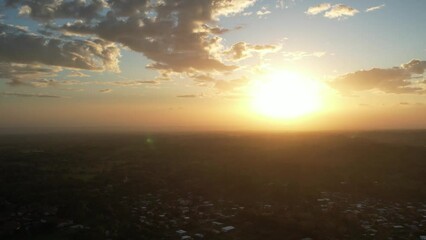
(286, 95)
(212, 65)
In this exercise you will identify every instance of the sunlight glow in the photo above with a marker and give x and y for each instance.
(286, 95)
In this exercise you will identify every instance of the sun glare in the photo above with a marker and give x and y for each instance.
(286, 95)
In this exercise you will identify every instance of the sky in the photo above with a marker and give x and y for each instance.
(212, 65)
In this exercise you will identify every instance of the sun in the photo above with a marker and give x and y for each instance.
(286, 95)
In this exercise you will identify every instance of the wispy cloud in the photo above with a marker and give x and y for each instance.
(131, 83)
(106, 90)
(36, 95)
(22, 74)
(77, 74)
(375, 8)
(297, 55)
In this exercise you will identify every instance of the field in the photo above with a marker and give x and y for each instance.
(366, 185)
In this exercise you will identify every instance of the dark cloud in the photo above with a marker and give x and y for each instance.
(216, 30)
(173, 33)
(17, 45)
(19, 74)
(390, 80)
(176, 35)
(37, 95)
(128, 7)
(415, 66)
(46, 10)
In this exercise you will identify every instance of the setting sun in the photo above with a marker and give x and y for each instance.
(212, 119)
(286, 95)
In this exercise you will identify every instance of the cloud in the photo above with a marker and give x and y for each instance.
(42, 83)
(223, 86)
(124, 83)
(25, 10)
(332, 11)
(340, 10)
(297, 55)
(106, 90)
(318, 9)
(215, 30)
(77, 74)
(218, 30)
(45, 10)
(371, 9)
(19, 74)
(21, 46)
(242, 50)
(231, 85)
(263, 12)
(48, 83)
(415, 66)
(124, 8)
(202, 78)
(389, 80)
(187, 96)
(131, 83)
(283, 3)
(37, 95)
(171, 33)
(226, 7)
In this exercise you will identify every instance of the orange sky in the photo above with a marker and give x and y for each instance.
(212, 65)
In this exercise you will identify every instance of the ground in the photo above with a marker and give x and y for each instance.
(365, 185)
